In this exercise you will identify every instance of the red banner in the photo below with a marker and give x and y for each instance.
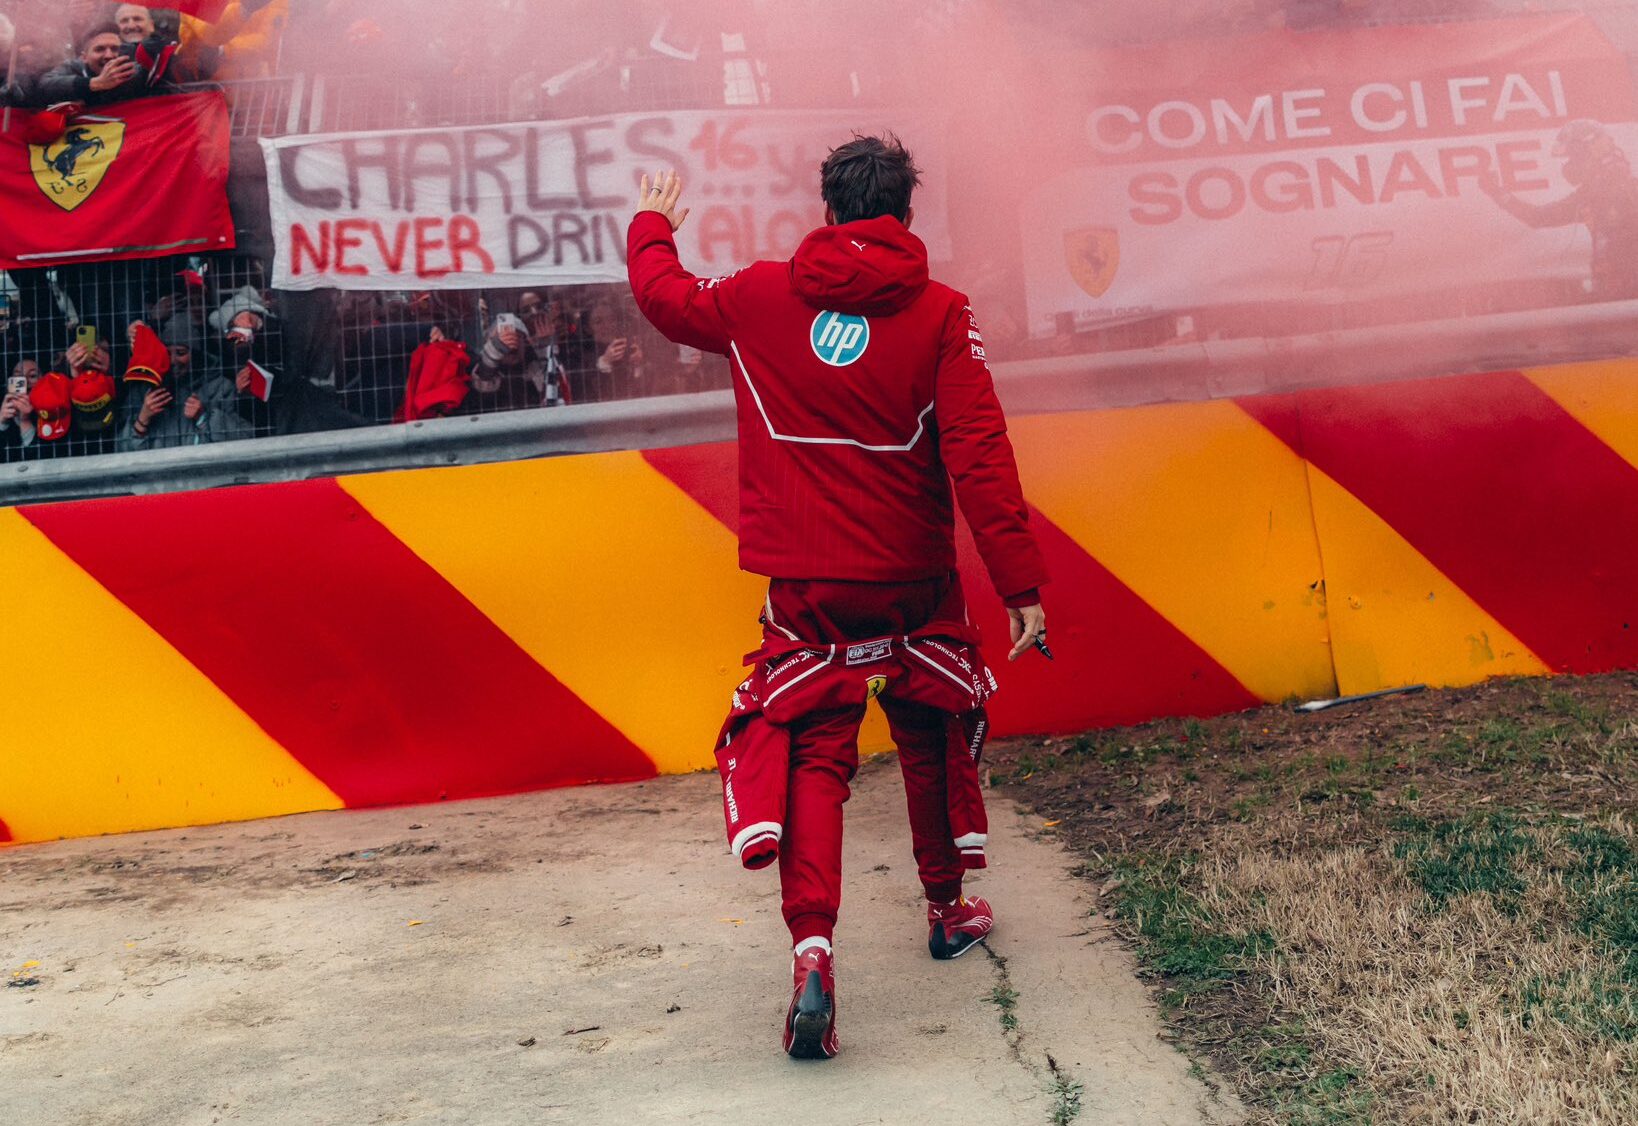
(205, 9)
(1326, 167)
(137, 179)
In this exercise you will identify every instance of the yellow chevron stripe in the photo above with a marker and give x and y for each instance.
(1204, 514)
(1602, 396)
(109, 729)
(605, 572)
(1395, 618)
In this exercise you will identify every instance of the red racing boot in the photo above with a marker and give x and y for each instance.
(810, 1024)
(955, 928)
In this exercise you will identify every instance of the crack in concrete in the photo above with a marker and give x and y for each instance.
(1065, 1092)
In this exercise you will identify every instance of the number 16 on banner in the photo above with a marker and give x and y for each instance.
(1345, 262)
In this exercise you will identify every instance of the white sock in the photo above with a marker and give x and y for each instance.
(811, 944)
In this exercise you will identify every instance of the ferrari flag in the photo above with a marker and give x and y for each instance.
(137, 179)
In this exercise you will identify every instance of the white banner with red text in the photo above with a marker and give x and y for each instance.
(1328, 166)
(547, 203)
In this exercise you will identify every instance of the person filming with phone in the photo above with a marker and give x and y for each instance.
(110, 69)
(17, 430)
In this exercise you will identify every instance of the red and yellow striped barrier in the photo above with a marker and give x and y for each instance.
(451, 633)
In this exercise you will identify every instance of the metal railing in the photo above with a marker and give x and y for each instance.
(261, 107)
(1174, 373)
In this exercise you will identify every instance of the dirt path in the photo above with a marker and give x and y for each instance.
(577, 956)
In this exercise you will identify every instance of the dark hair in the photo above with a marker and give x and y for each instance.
(868, 177)
(90, 33)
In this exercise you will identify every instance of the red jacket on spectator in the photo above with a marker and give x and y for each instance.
(863, 392)
(440, 377)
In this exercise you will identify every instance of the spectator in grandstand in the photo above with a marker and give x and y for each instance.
(36, 312)
(381, 340)
(358, 308)
(149, 417)
(182, 310)
(1605, 199)
(511, 374)
(440, 378)
(271, 399)
(105, 73)
(74, 413)
(17, 430)
(620, 370)
(100, 75)
(135, 23)
(558, 334)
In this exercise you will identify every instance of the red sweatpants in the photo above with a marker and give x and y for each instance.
(825, 746)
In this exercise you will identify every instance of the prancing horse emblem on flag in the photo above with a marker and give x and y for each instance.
(1093, 256)
(71, 168)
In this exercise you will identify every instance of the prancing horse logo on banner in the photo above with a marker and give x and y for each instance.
(1093, 256)
(70, 169)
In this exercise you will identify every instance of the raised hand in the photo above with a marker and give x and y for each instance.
(662, 195)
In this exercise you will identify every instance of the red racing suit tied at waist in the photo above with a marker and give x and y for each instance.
(938, 666)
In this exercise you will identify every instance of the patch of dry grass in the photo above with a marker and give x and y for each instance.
(1415, 912)
(1486, 1007)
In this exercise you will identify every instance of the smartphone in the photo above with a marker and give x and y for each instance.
(87, 335)
(17, 385)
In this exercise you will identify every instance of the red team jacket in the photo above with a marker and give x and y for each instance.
(863, 392)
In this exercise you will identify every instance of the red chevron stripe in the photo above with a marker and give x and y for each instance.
(1119, 660)
(341, 643)
(1507, 494)
(5, 833)
(709, 474)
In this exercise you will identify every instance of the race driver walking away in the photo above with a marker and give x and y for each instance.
(863, 394)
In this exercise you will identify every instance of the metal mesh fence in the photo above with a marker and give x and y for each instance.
(78, 321)
(337, 359)
(342, 359)
(528, 348)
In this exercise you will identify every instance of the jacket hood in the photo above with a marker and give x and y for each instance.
(873, 267)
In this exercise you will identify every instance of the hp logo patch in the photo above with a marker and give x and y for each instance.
(839, 339)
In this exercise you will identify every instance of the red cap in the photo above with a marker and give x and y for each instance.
(92, 393)
(54, 412)
(150, 359)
